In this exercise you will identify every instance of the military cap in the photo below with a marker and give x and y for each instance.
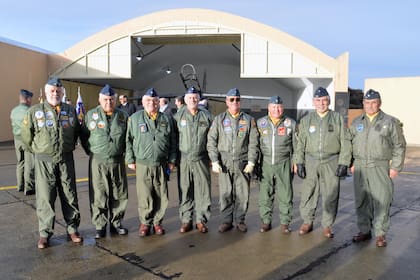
(372, 94)
(151, 92)
(233, 92)
(107, 90)
(320, 92)
(54, 81)
(193, 90)
(26, 93)
(276, 100)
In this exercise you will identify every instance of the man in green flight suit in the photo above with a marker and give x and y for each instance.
(378, 151)
(232, 145)
(193, 125)
(151, 150)
(103, 137)
(323, 154)
(51, 129)
(25, 171)
(277, 140)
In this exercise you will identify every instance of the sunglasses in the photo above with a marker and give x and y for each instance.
(237, 99)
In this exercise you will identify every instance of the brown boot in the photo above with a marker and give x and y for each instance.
(159, 230)
(381, 241)
(185, 227)
(242, 227)
(328, 233)
(202, 227)
(225, 227)
(265, 227)
(305, 228)
(285, 229)
(43, 243)
(144, 230)
(360, 237)
(75, 237)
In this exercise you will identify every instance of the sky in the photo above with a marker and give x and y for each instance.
(382, 37)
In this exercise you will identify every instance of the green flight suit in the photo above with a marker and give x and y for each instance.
(233, 142)
(322, 144)
(195, 184)
(25, 170)
(104, 138)
(378, 146)
(52, 138)
(277, 146)
(151, 145)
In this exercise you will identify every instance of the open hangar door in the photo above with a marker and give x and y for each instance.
(159, 61)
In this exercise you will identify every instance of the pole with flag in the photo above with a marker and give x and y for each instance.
(64, 99)
(41, 96)
(80, 108)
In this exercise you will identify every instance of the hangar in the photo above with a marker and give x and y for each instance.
(169, 49)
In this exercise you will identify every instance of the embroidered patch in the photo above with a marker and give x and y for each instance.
(227, 129)
(281, 131)
(49, 123)
(101, 124)
(65, 124)
(143, 127)
(95, 116)
(39, 114)
(359, 127)
(226, 122)
(49, 115)
(287, 122)
(312, 129)
(263, 123)
(41, 123)
(92, 125)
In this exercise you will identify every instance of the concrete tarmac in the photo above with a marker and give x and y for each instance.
(193, 255)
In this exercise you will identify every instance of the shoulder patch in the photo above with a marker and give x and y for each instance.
(262, 122)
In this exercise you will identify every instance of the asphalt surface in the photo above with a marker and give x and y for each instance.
(193, 255)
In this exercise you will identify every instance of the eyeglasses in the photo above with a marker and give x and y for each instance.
(237, 99)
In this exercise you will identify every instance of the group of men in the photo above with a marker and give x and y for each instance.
(232, 144)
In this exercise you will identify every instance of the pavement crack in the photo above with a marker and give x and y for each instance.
(322, 259)
(412, 206)
(136, 260)
(19, 200)
(319, 261)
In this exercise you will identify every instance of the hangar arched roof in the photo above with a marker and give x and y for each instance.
(264, 51)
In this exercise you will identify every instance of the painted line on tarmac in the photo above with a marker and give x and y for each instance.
(410, 173)
(81, 180)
